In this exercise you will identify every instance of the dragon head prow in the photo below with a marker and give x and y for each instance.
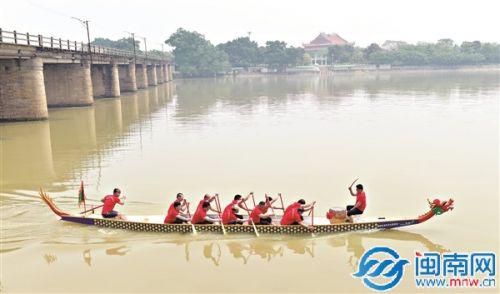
(439, 206)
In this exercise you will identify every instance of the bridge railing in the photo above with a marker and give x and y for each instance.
(39, 41)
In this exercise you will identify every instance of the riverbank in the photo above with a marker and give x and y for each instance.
(364, 69)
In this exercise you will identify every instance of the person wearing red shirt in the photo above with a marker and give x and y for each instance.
(294, 218)
(207, 199)
(174, 215)
(360, 205)
(179, 198)
(269, 204)
(200, 217)
(299, 204)
(109, 203)
(259, 217)
(229, 213)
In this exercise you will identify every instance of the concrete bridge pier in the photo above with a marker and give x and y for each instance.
(170, 73)
(165, 73)
(141, 76)
(68, 84)
(128, 79)
(105, 80)
(22, 91)
(159, 74)
(152, 78)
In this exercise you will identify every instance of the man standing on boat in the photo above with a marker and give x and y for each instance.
(109, 203)
(360, 204)
(200, 217)
(174, 215)
(228, 214)
(259, 216)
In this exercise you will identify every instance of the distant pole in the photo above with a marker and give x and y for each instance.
(85, 23)
(133, 40)
(88, 40)
(162, 53)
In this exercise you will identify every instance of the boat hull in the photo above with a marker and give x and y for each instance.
(238, 229)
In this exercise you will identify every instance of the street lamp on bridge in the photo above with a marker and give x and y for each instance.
(85, 23)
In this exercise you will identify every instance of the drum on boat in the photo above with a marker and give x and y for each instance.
(336, 215)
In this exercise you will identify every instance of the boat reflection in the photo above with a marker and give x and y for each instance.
(270, 248)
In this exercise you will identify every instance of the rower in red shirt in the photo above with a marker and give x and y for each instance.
(229, 214)
(299, 204)
(207, 199)
(174, 215)
(269, 204)
(259, 217)
(293, 218)
(109, 203)
(200, 217)
(179, 198)
(360, 205)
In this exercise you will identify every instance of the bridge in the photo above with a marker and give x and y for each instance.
(38, 72)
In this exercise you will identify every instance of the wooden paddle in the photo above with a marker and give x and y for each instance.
(282, 205)
(312, 221)
(250, 220)
(271, 206)
(217, 202)
(190, 220)
(92, 209)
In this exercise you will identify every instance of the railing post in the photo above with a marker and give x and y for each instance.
(28, 38)
(76, 46)
(1, 40)
(81, 46)
(40, 41)
(67, 42)
(60, 43)
(51, 42)
(15, 37)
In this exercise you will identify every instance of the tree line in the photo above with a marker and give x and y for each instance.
(442, 53)
(194, 55)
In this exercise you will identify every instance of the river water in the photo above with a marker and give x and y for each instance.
(407, 136)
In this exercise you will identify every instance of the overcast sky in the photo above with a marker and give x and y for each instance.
(295, 22)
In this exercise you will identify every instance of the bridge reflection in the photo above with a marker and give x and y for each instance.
(73, 141)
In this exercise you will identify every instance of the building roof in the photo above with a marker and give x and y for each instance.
(325, 40)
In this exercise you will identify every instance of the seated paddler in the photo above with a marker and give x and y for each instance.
(233, 218)
(200, 217)
(207, 199)
(109, 204)
(238, 202)
(174, 215)
(299, 204)
(259, 214)
(295, 218)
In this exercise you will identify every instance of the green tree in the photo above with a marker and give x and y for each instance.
(306, 59)
(340, 53)
(374, 47)
(275, 55)
(122, 44)
(241, 51)
(196, 56)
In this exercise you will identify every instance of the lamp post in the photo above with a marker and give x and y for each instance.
(85, 23)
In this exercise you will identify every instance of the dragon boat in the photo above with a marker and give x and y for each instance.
(322, 225)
